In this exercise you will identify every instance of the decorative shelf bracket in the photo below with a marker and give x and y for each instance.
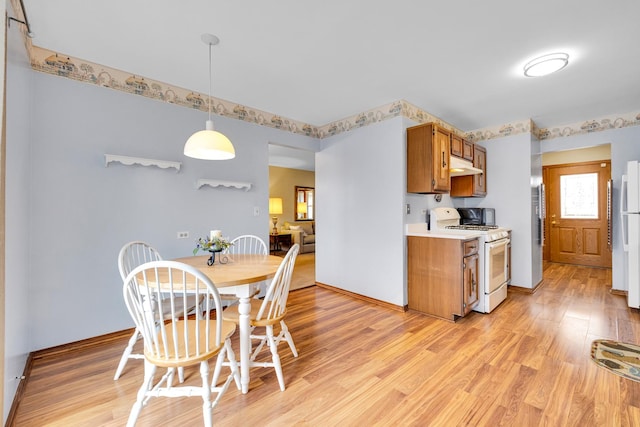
(217, 183)
(128, 161)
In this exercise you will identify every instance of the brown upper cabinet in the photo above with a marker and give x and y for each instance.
(428, 151)
(461, 147)
(472, 185)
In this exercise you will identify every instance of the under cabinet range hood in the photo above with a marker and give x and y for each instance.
(462, 167)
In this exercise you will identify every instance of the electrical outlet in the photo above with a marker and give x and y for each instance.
(408, 208)
(183, 234)
(256, 211)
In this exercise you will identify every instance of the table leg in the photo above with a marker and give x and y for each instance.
(244, 308)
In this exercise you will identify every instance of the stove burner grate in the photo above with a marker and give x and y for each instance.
(472, 227)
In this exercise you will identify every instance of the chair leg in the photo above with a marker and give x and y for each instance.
(232, 363)
(273, 345)
(149, 373)
(218, 367)
(284, 333)
(206, 395)
(126, 353)
(258, 349)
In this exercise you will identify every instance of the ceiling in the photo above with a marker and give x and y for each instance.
(322, 61)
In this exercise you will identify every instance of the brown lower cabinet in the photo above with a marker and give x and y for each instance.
(442, 276)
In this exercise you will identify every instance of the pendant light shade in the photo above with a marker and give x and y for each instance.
(209, 144)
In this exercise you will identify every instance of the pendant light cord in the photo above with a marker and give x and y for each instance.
(210, 81)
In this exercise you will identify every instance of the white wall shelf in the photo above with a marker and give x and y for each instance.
(218, 183)
(128, 161)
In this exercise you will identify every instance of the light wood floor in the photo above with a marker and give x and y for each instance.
(304, 272)
(525, 364)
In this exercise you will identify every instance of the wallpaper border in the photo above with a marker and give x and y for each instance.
(55, 63)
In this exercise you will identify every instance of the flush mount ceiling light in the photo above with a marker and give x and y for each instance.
(546, 64)
(208, 144)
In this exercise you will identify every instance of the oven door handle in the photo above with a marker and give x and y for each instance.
(498, 243)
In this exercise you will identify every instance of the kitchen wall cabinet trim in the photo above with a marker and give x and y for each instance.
(218, 183)
(129, 161)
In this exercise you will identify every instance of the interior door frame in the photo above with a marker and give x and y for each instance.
(546, 248)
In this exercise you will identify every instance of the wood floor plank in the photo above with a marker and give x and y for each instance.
(525, 364)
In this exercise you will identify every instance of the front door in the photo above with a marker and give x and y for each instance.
(577, 213)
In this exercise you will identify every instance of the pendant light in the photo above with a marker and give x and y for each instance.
(209, 144)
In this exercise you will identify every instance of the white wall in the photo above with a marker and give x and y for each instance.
(360, 186)
(588, 154)
(83, 212)
(17, 231)
(513, 171)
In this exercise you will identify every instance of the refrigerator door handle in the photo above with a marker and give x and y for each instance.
(624, 219)
(609, 215)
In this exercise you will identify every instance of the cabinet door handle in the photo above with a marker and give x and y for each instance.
(473, 282)
(444, 164)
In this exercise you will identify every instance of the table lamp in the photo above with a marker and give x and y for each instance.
(302, 210)
(275, 208)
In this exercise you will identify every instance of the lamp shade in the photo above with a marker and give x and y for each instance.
(275, 206)
(302, 208)
(209, 144)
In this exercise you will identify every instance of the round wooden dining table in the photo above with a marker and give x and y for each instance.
(238, 275)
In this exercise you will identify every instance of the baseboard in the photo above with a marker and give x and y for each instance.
(525, 290)
(82, 344)
(620, 292)
(17, 398)
(362, 297)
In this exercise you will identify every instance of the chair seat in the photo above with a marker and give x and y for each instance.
(173, 358)
(231, 314)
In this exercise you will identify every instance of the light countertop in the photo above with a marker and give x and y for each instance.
(420, 230)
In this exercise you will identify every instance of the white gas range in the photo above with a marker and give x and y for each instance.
(494, 253)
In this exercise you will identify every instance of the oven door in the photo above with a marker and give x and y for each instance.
(496, 264)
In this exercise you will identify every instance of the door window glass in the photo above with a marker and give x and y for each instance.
(579, 196)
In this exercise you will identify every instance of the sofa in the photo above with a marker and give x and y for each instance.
(302, 233)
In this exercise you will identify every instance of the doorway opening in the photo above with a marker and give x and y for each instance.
(292, 179)
(577, 228)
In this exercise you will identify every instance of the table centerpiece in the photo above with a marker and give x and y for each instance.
(215, 243)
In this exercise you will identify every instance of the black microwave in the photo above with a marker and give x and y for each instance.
(477, 216)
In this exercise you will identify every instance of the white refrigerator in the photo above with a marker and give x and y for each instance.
(630, 215)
